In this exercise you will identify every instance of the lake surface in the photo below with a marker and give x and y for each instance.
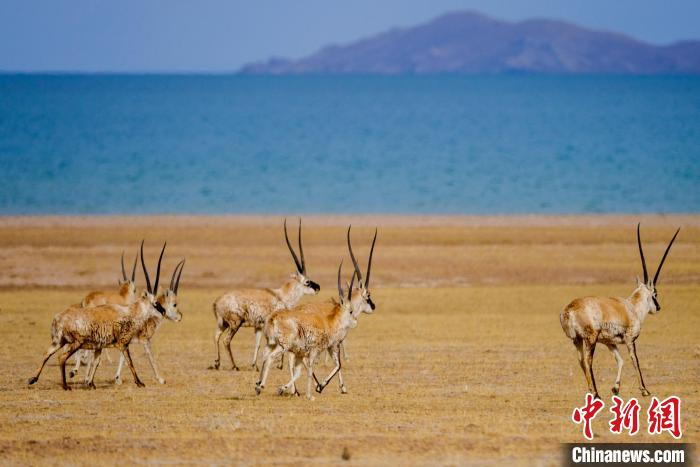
(356, 144)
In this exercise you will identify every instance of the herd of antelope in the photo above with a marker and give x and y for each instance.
(302, 331)
(305, 331)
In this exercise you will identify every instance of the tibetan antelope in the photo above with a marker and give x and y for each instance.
(252, 306)
(100, 327)
(125, 296)
(167, 300)
(613, 321)
(310, 329)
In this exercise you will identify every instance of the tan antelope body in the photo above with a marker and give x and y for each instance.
(612, 321)
(311, 329)
(100, 327)
(252, 307)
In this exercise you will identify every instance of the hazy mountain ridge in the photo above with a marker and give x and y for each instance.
(468, 42)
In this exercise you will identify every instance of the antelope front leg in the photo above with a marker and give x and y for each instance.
(147, 348)
(632, 348)
(127, 357)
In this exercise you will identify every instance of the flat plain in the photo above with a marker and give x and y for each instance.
(463, 362)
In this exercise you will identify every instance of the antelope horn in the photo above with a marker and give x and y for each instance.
(340, 285)
(656, 276)
(179, 274)
(352, 255)
(160, 258)
(123, 270)
(369, 263)
(301, 251)
(291, 250)
(641, 253)
(133, 270)
(352, 282)
(172, 279)
(145, 271)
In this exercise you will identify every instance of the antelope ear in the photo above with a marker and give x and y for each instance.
(639, 282)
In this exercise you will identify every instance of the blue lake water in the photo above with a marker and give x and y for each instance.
(356, 144)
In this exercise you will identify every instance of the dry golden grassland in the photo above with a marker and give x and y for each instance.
(463, 362)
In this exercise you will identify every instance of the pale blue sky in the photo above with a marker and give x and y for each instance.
(219, 36)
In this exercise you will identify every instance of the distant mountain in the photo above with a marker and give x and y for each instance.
(468, 42)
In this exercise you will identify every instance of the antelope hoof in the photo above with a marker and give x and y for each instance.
(139, 384)
(282, 390)
(296, 393)
(117, 380)
(91, 386)
(309, 397)
(32, 380)
(161, 380)
(319, 388)
(254, 366)
(616, 390)
(343, 390)
(215, 366)
(72, 374)
(235, 368)
(645, 392)
(66, 388)
(258, 389)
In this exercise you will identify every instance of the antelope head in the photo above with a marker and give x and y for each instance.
(647, 289)
(346, 301)
(363, 300)
(125, 281)
(149, 295)
(168, 298)
(308, 286)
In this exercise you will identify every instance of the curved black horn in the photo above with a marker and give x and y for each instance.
(352, 256)
(340, 285)
(179, 274)
(291, 250)
(123, 270)
(656, 276)
(301, 251)
(352, 282)
(172, 279)
(641, 253)
(160, 258)
(145, 271)
(133, 270)
(369, 262)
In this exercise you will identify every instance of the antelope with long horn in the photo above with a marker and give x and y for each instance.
(101, 327)
(125, 296)
(310, 329)
(167, 300)
(613, 321)
(306, 335)
(251, 307)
